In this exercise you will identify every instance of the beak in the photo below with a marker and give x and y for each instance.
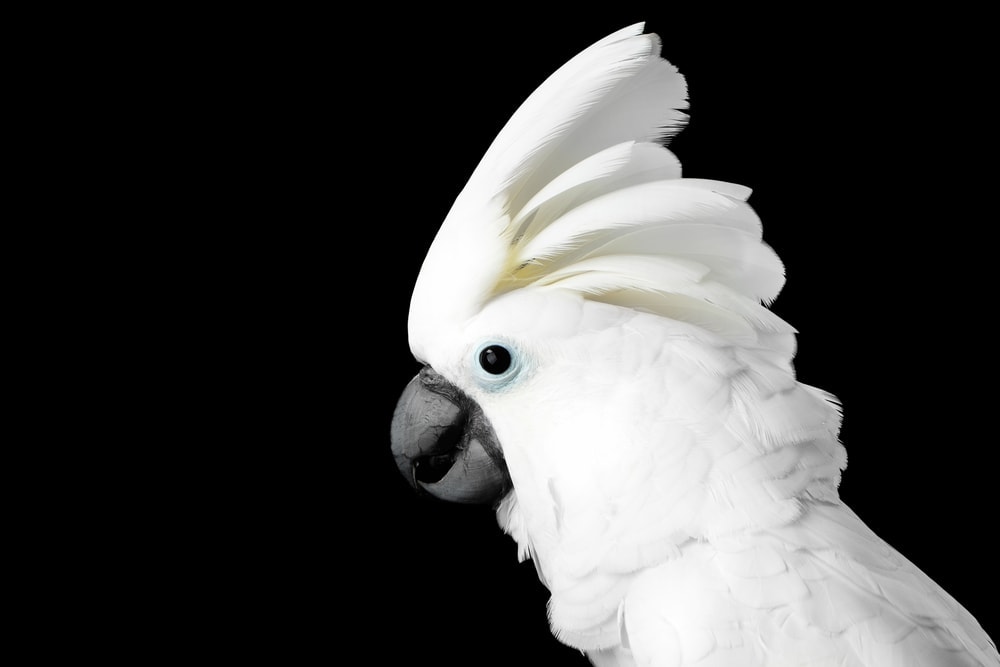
(443, 443)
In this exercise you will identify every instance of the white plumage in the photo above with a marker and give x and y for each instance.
(673, 481)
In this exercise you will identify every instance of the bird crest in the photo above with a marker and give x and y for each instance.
(578, 192)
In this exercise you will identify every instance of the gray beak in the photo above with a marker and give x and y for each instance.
(444, 445)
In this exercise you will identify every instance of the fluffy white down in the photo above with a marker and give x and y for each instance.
(673, 481)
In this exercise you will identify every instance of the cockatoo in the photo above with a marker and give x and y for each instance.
(600, 364)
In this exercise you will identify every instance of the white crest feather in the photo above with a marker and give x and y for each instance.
(577, 193)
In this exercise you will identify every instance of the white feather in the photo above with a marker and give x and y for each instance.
(615, 91)
(614, 168)
(659, 202)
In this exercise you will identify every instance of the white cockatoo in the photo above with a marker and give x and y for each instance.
(600, 364)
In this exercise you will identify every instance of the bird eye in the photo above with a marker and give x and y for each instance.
(494, 359)
(497, 366)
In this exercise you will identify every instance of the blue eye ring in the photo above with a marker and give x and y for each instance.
(497, 364)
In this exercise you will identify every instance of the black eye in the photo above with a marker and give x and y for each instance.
(494, 359)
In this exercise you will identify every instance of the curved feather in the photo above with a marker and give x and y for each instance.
(615, 91)
(620, 166)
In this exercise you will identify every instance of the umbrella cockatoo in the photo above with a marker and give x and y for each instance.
(599, 363)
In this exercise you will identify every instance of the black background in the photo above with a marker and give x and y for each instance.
(339, 143)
